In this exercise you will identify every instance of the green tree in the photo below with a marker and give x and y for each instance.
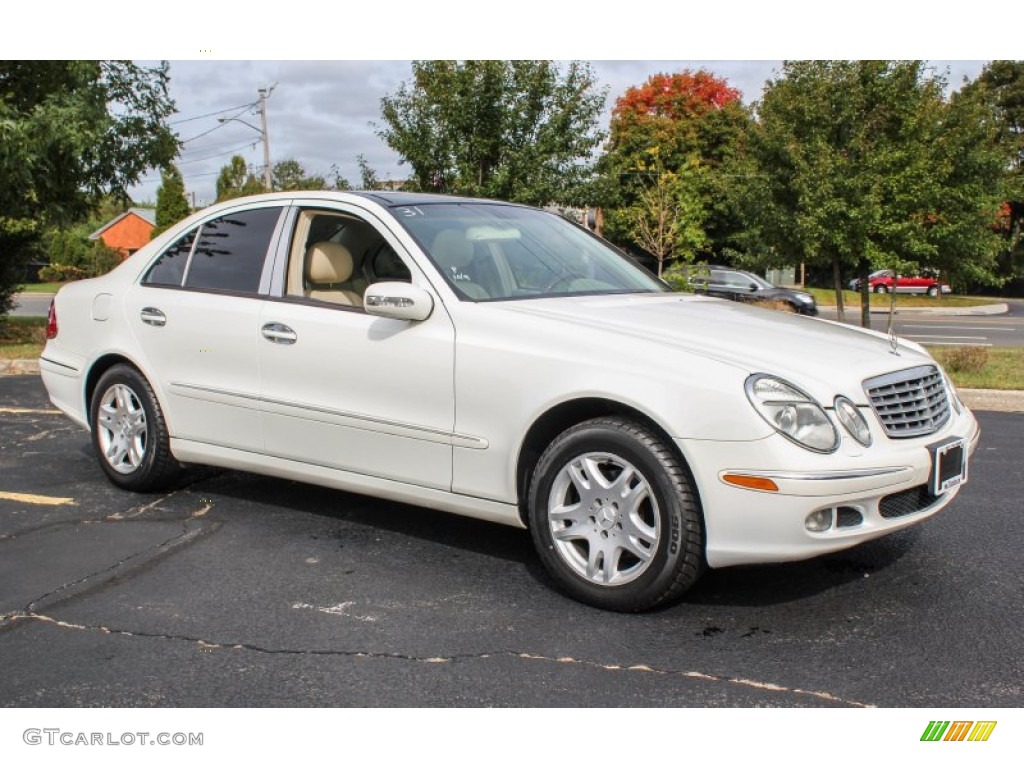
(70, 133)
(514, 130)
(667, 217)
(289, 175)
(367, 175)
(1001, 86)
(235, 180)
(866, 164)
(171, 203)
(697, 124)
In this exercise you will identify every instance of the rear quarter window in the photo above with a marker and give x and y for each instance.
(169, 268)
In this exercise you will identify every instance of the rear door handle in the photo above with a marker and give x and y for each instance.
(279, 333)
(153, 316)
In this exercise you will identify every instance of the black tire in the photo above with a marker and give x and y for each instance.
(131, 440)
(666, 518)
(933, 291)
(881, 289)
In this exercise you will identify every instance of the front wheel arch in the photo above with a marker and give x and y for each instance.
(564, 415)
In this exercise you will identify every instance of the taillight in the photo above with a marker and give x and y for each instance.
(51, 323)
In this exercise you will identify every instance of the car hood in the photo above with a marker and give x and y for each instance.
(746, 336)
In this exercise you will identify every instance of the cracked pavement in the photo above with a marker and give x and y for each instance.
(237, 590)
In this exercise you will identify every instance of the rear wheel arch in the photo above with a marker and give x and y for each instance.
(103, 364)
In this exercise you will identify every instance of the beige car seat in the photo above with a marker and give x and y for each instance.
(453, 254)
(328, 272)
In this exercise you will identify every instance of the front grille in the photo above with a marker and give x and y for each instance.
(909, 403)
(906, 502)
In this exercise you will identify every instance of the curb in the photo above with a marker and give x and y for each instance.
(1004, 400)
(17, 367)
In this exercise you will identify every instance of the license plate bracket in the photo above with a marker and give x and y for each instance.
(949, 465)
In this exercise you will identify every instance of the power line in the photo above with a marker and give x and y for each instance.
(224, 121)
(184, 178)
(251, 144)
(211, 114)
(208, 148)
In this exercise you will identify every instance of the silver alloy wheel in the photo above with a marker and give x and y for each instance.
(121, 429)
(604, 519)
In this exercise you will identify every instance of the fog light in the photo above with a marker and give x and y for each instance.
(819, 521)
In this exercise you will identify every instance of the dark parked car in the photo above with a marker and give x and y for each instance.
(737, 285)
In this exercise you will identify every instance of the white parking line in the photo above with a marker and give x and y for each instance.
(941, 336)
(31, 498)
(958, 327)
(953, 344)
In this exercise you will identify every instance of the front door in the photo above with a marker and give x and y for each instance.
(341, 388)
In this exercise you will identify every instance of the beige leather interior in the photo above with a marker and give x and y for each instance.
(328, 274)
(453, 254)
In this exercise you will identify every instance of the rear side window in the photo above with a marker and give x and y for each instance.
(230, 251)
(169, 269)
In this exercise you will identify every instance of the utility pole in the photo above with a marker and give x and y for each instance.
(262, 131)
(264, 95)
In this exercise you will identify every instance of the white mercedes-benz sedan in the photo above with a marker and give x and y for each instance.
(497, 361)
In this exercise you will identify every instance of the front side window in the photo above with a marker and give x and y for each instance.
(231, 249)
(169, 269)
(335, 256)
(489, 251)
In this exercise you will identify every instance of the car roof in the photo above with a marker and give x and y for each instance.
(398, 198)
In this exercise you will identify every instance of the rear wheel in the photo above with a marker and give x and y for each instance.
(933, 291)
(881, 289)
(129, 432)
(614, 516)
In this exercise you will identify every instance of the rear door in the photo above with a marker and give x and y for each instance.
(196, 316)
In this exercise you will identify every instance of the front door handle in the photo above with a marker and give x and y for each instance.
(279, 333)
(153, 316)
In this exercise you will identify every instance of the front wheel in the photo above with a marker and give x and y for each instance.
(933, 291)
(614, 516)
(129, 432)
(881, 289)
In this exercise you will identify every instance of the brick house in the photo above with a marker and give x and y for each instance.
(128, 232)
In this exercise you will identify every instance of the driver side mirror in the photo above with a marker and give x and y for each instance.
(399, 301)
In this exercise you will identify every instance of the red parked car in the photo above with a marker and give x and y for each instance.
(881, 281)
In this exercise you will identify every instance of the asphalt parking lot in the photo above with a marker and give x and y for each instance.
(243, 591)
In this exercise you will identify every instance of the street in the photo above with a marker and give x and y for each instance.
(936, 329)
(31, 305)
(237, 590)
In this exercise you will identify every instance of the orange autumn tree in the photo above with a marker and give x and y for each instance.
(696, 123)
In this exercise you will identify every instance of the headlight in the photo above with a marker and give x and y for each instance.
(853, 420)
(792, 413)
(805, 298)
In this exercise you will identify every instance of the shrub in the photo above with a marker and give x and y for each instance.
(966, 359)
(59, 273)
(102, 259)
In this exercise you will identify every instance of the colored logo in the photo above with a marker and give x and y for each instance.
(958, 730)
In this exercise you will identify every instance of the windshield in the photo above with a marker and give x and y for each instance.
(759, 281)
(493, 252)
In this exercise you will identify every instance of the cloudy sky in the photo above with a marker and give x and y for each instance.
(323, 112)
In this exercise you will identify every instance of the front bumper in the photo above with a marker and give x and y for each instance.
(879, 489)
